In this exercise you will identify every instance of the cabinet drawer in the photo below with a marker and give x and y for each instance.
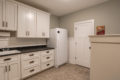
(30, 71)
(47, 52)
(47, 65)
(30, 55)
(30, 63)
(9, 58)
(47, 58)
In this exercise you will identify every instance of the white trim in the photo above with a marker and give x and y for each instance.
(86, 21)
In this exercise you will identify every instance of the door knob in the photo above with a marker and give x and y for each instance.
(89, 47)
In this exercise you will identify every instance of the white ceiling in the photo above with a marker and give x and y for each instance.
(62, 7)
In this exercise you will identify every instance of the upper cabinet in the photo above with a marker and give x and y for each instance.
(43, 24)
(8, 15)
(32, 23)
(26, 22)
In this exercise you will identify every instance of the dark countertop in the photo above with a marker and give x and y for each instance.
(28, 49)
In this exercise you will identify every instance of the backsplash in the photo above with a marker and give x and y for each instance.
(16, 42)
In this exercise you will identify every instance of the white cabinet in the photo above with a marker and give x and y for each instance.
(30, 64)
(1, 14)
(47, 59)
(14, 70)
(3, 71)
(11, 15)
(32, 23)
(105, 57)
(34, 62)
(43, 24)
(26, 22)
(10, 68)
(8, 15)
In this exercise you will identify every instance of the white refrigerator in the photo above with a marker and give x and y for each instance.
(59, 41)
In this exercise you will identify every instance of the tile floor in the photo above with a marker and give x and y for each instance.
(65, 72)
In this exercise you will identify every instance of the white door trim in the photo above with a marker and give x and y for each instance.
(80, 22)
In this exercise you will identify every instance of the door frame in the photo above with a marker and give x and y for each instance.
(75, 39)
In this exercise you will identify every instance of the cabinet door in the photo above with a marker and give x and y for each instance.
(14, 70)
(43, 21)
(22, 28)
(31, 23)
(1, 16)
(11, 15)
(3, 72)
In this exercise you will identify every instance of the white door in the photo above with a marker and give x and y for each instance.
(14, 70)
(3, 72)
(82, 44)
(43, 24)
(11, 15)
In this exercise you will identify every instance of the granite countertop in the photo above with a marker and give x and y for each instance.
(33, 49)
(28, 49)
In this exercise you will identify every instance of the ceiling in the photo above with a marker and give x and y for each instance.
(62, 7)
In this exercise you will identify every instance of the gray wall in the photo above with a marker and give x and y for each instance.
(54, 21)
(107, 14)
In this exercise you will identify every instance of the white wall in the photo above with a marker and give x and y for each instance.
(71, 50)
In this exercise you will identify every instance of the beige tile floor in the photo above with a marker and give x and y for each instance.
(65, 72)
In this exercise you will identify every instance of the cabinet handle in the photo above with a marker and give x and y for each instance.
(6, 24)
(43, 34)
(3, 24)
(7, 59)
(48, 57)
(28, 33)
(9, 68)
(31, 62)
(32, 70)
(47, 52)
(5, 68)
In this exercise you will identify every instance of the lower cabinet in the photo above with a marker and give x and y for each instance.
(17, 67)
(30, 64)
(34, 62)
(47, 59)
(10, 68)
(3, 71)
